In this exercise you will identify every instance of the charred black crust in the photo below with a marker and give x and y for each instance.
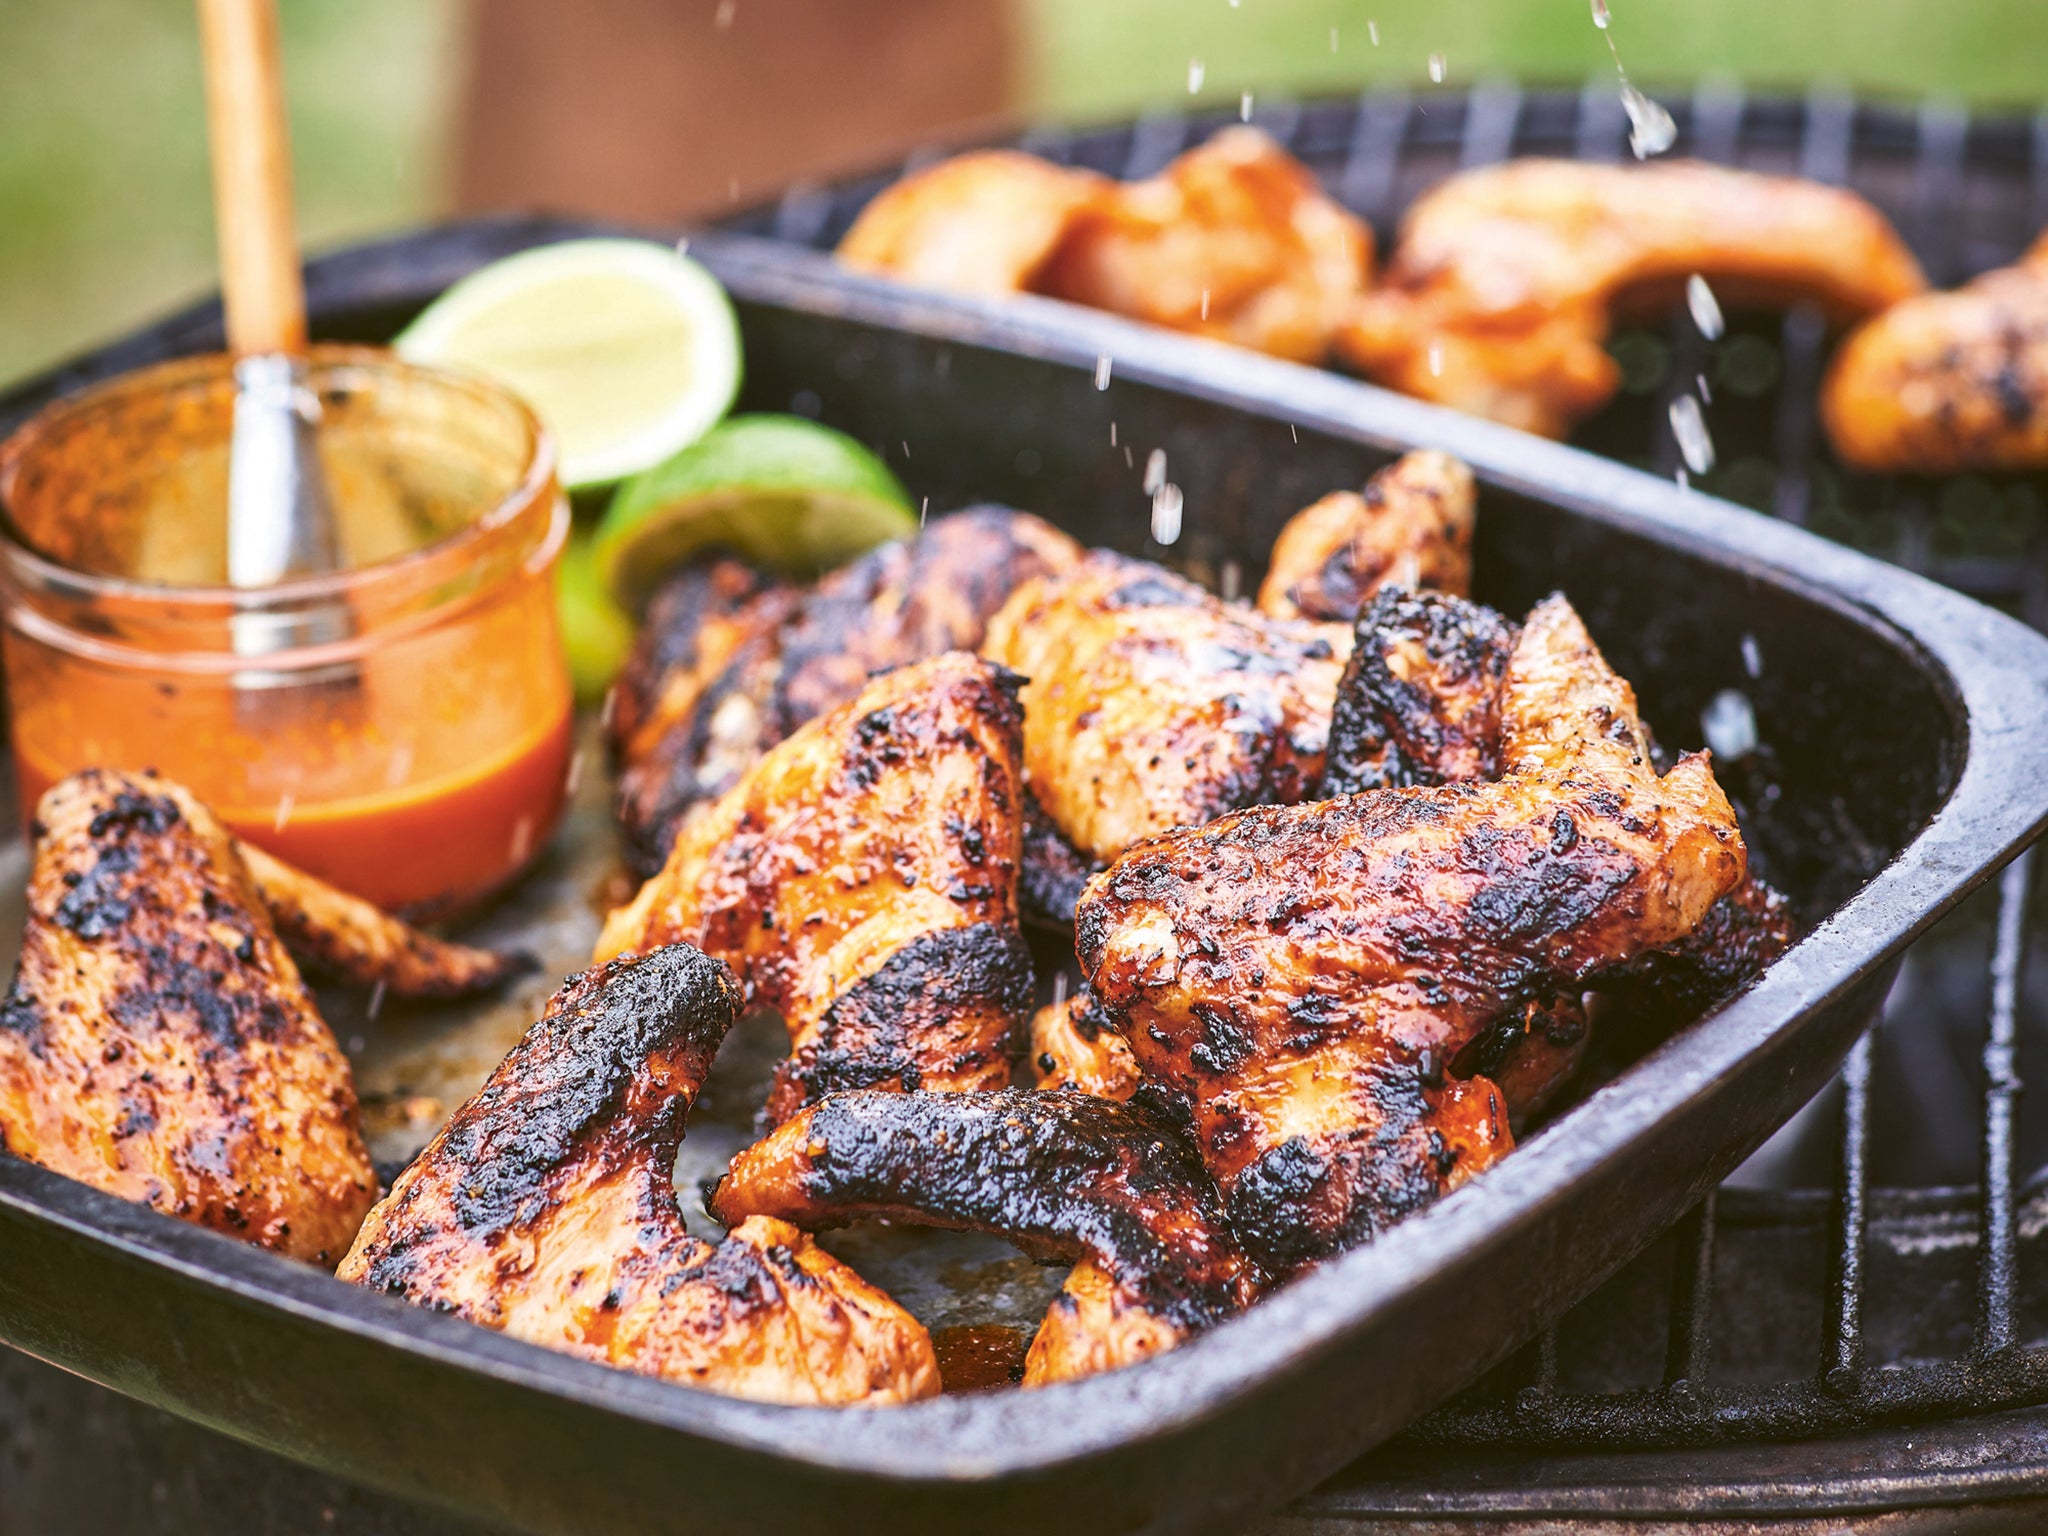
(1391, 732)
(1060, 1172)
(880, 1031)
(1741, 934)
(566, 1084)
(1052, 872)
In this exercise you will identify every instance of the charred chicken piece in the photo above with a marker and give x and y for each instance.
(1741, 934)
(1234, 240)
(546, 1208)
(984, 223)
(1503, 285)
(158, 1042)
(727, 666)
(1412, 527)
(1074, 1044)
(1053, 872)
(1063, 1175)
(343, 935)
(1152, 704)
(1948, 382)
(862, 879)
(1303, 975)
(1419, 702)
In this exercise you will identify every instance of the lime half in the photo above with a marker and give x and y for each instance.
(779, 491)
(626, 349)
(595, 634)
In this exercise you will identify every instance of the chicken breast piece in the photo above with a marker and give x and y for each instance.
(862, 879)
(1074, 1044)
(984, 223)
(1502, 287)
(728, 664)
(1152, 704)
(1948, 382)
(1303, 975)
(1235, 240)
(158, 1042)
(1412, 527)
(1063, 1174)
(546, 1208)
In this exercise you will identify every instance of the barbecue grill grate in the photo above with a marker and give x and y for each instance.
(1968, 194)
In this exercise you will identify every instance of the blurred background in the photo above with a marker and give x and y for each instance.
(408, 110)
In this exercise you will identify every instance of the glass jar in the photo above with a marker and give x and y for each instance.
(401, 727)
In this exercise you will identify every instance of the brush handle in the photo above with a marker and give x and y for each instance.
(252, 177)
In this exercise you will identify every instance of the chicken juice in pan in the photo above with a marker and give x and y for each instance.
(407, 733)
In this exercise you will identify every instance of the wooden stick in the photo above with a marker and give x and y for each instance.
(252, 177)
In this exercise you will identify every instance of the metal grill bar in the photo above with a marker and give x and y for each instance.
(1995, 1254)
(1842, 1362)
(1692, 1299)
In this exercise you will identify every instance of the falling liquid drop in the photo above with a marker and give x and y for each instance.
(1752, 656)
(1195, 73)
(1244, 107)
(1706, 309)
(1650, 128)
(1729, 724)
(1166, 508)
(1436, 359)
(1689, 427)
(1102, 366)
(1600, 16)
(1155, 470)
(1372, 32)
(1333, 39)
(1438, 64)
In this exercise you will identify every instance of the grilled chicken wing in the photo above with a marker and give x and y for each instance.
(1499, 295)
(158, 1042)
(1075, 1044)
(727, 666)
(1233, 240)
(1064, 1175)
(1419, 702)
(1741, 934)
(1413, 526)
(1948, 381)
(1302, 975)
(345, 936)
(979, 223)
(547, 1208)
(862, 879)
(1152, 704)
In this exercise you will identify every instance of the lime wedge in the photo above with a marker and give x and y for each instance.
(782, 492)
(627, 350)
(596, 635)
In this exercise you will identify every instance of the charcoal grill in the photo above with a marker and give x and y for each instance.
(1499, 1455)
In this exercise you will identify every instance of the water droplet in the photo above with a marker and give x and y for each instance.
(1436, 359)
(1205, 303)
(1706, 394)
(1600, 16)
(1244, 107)
(1102, 382)
(1333, 39)
(1155, 470)
(1706, 309)
(1166, 509)
(1729, 724)
(1650, 128)
(1438, 64)
(1195, 73)
(1752, 656)
(1372, 31)
(1689, 426)
(1231, 585)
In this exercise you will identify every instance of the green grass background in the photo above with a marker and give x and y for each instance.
(104, 213)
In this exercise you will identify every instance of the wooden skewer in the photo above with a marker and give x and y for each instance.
(252, 177)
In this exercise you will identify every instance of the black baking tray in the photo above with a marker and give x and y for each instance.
(1908, 730)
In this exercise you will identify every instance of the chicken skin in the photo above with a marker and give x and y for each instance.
(1501, 290)
(1412, 526)
(1153, 704)
(1074, 1044)
(1234, 240)
(1948, 382)
(546, 1208)
(158, 1042)
(862, 880)
(1064, 1175)
(1303, 975)
(729, 663)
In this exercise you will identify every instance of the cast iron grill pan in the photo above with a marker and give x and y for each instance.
(1910, 711)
